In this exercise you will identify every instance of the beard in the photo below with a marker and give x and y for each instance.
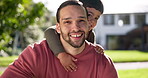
(75, 44)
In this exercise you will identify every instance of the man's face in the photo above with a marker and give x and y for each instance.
(93, 16)
(73, 26)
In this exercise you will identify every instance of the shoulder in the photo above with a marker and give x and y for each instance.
(38, 45)
(36, 52)
(37, 48)
(97, 48)
(99, 54)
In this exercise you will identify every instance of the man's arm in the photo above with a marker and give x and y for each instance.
(108, 69)
(23, 67)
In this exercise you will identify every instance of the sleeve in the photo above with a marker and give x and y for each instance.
(53, 41)
(109, 70)
(23, 67)
(91, 37)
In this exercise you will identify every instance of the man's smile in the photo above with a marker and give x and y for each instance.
(76, 35)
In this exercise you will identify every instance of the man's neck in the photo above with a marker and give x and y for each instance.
(71, 50)
(74, 51)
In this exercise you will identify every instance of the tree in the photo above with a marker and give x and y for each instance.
(16, 16)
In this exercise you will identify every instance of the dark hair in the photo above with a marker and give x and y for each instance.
(64, 4)
(97, 4)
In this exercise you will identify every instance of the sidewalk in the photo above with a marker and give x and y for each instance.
(3, 68)
(120, 66)
(131, 65)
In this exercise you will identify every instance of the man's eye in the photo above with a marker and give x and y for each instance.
(67, 22)
(81, 20)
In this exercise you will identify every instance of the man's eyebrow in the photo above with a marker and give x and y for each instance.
(82, 17)
(66, 18)
(71, 18)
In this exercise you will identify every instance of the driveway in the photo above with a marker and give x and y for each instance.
(120, 66)
(131, 65)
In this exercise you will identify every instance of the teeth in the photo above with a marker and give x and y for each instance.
(76, 35)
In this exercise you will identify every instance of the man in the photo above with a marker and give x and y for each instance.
(95, 10)
(38, 61)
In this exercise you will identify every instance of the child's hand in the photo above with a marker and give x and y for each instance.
(99, 49)
(67, 61)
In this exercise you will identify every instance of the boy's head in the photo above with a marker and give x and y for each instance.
(95, 9)
(97, 4)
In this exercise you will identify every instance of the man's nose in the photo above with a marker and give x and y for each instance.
(76, 25)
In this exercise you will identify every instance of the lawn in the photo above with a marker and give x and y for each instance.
(136, 73)
(127, 55)
(5, 61)
(116, 56)
(1, 72)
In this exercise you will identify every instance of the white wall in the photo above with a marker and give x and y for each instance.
(102, 31)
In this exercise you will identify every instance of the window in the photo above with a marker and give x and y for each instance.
(140, 19)
(124, 18)
(109, 19)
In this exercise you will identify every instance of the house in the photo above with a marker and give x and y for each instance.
(123, 25)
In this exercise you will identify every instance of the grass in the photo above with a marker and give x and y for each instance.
(5, 61)
(136, 73)
(127, 55)
(116, 56)
(1, 72)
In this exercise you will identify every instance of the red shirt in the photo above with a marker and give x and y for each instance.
(38, 61)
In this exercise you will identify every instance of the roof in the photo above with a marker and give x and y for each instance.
(139, 30)
(125, 6)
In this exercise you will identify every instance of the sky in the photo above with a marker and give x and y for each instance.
(52, 5)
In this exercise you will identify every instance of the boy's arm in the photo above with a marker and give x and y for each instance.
(91, 37)
(53, 41)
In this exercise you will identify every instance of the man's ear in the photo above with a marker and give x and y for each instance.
(58, 28)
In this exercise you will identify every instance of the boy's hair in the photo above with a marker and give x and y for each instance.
(97, 4)
(67, 3)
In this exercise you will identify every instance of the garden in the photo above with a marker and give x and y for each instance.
(118, 56)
